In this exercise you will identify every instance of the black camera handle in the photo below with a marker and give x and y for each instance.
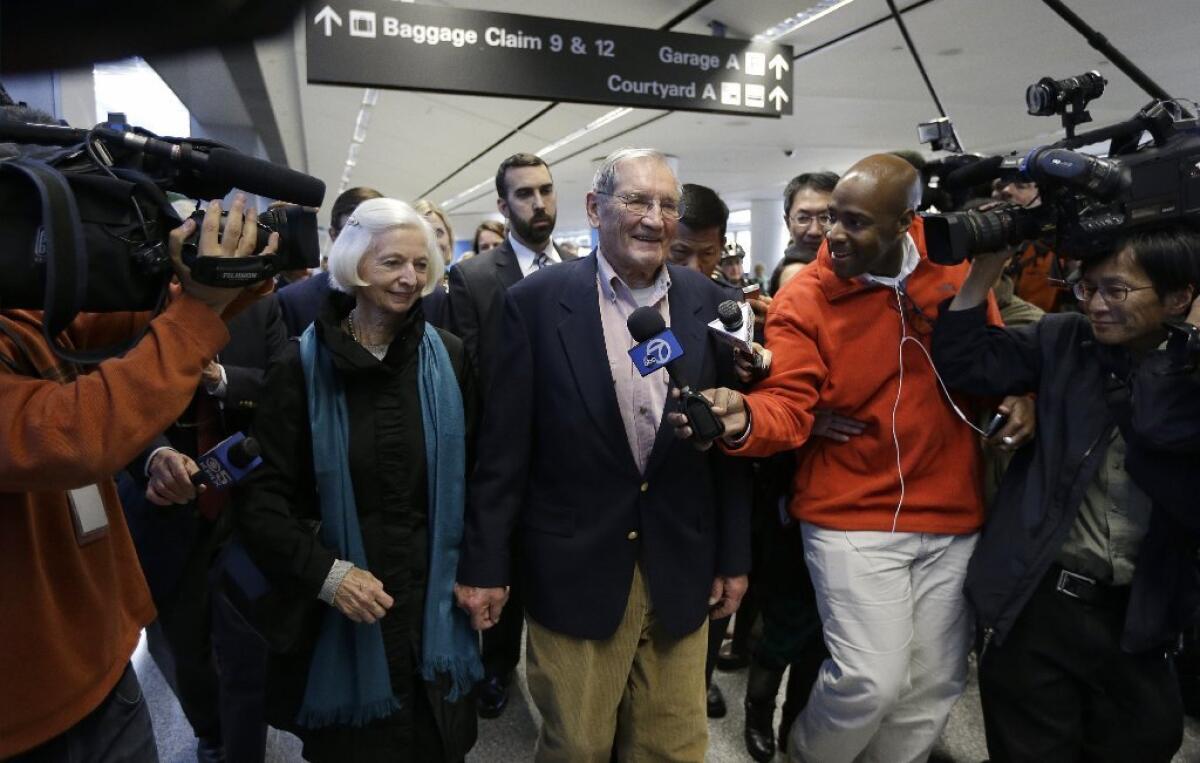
(1101, 43)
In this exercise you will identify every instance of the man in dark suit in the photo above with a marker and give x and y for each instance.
(629, 541)
(214, 663)
(301, 300)
(525, 196)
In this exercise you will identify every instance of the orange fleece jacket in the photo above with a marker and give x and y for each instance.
(836, 345)
(70, 615)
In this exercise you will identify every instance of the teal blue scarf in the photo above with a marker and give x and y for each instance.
(348, 681)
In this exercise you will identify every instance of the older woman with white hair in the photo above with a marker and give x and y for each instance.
(359, 504)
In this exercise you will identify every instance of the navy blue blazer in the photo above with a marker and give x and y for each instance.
(301, 301)
(555, 474)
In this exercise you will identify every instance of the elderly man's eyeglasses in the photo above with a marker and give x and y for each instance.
(1110, 293)
(641, 205)
(825, 220)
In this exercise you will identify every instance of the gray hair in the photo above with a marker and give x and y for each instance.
(369, 219)
(605, 179)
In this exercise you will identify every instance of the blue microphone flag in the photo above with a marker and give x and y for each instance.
(656, 352)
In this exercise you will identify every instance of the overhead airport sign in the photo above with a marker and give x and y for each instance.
(381, 43)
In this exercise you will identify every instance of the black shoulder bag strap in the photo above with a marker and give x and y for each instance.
(66, 258)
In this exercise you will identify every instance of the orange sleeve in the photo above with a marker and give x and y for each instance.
(781, 405)
(63, 436)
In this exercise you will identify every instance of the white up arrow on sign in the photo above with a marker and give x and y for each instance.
(779, 97)
(780, 65)
(330, 17)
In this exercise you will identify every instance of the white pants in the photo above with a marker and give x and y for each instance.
(898, 632)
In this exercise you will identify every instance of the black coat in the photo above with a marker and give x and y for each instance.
(1075, 379)
(301, 301)
(279, 507)
(555, 470)
(477, 288)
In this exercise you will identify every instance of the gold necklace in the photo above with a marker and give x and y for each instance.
(371, 348)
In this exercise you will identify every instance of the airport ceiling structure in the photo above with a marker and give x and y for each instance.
(856, 90)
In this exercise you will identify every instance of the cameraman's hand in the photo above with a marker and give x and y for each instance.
(1021, 425)
(1193, 316)
(238, 240)
(985, 269)
(171, 478)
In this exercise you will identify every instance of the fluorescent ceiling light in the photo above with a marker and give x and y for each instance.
(592, 126)
(818, 10)
(595, 124)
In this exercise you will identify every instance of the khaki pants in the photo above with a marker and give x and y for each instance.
(641, 688)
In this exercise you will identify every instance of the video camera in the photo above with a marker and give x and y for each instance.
(85, 218)
(1087, 201)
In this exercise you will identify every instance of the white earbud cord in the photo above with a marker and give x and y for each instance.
(904, 337)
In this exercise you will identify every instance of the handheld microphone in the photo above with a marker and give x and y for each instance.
(735, 325)
(231, 460)
(658, 348)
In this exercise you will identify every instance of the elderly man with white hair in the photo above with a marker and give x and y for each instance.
(630, 539)
(363, 431)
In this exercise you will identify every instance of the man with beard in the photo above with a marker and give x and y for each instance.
(526, 198)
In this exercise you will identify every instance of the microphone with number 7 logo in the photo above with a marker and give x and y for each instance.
(658, 348)
(232, 458)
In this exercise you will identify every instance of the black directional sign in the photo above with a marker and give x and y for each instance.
(382, 43)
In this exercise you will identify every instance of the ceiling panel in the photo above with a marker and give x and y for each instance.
(863, 94)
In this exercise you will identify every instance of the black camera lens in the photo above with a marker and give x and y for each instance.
(957, 236)
(1049, 96)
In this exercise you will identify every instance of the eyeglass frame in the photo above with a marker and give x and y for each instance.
(826, 224)
(1122, 289)
(654, 203)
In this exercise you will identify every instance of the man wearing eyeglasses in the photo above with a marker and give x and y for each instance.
(889, 512)
(1085, 573)
(626, 553)
(806, 212)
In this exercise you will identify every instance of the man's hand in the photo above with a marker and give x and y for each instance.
(727, 405)
(482, 604)
(1021, 424)
(238, 240)
(1193, 316)
(211, 375)
(759, 304)
(748, 371)
(361, 597)
(835, 426)
(985, 269)
(726, 596)
(171, 478)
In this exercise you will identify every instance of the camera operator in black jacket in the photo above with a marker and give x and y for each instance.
(1086, 569)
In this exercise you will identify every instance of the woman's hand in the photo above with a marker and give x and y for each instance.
(361, 597)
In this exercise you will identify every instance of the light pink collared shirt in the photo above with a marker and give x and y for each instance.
(640, 398)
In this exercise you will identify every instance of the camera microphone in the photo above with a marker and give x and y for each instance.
(228, 168)
(974, 174)
(231, 460)
(658, 348)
